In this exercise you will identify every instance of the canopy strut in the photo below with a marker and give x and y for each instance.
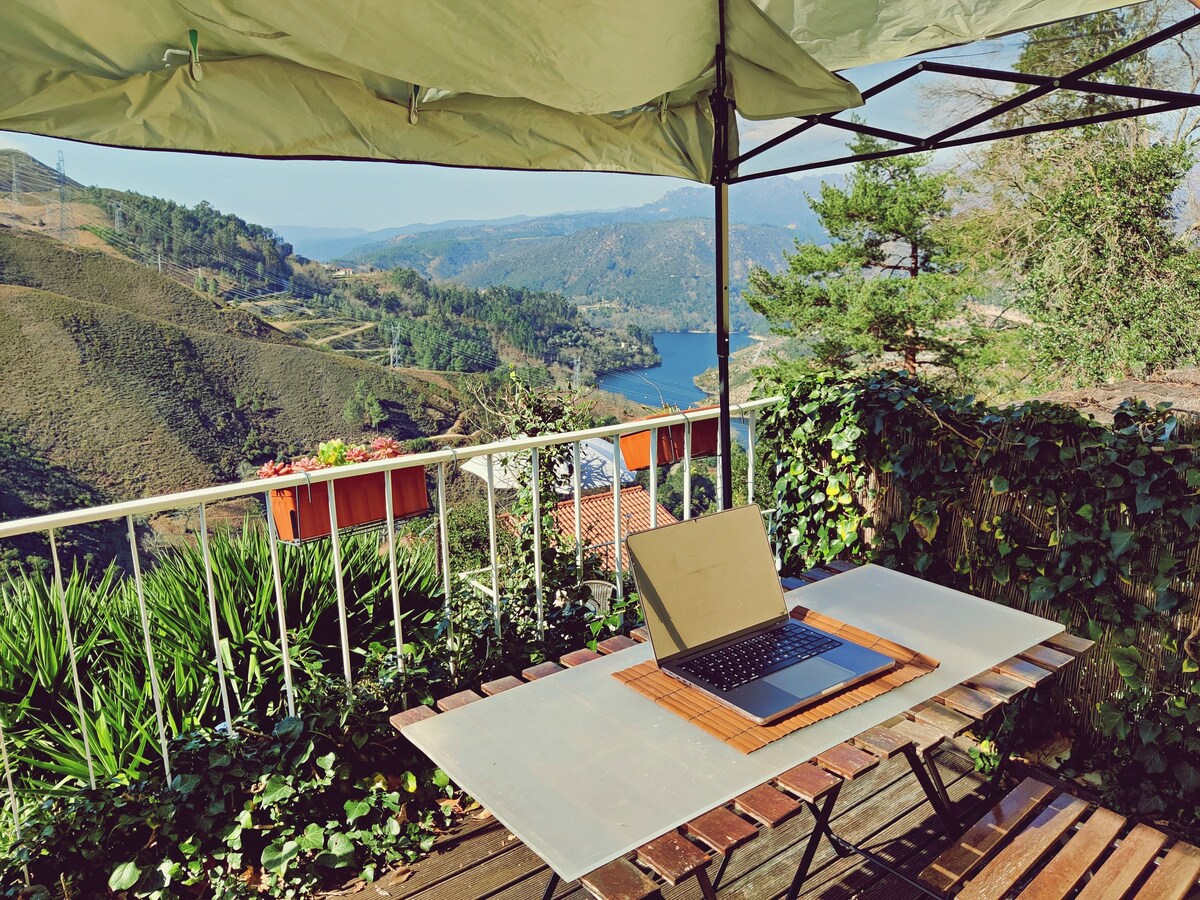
(720, 180)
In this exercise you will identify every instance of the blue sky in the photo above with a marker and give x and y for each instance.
(379, 195)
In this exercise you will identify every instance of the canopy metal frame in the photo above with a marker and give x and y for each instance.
(1079, 80)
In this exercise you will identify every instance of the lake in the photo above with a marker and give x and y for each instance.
(684, 356)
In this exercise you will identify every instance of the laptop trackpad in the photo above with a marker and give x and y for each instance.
(809, 677)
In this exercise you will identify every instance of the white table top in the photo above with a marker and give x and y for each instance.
(583, 769)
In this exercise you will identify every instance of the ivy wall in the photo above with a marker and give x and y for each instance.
(1035, 506)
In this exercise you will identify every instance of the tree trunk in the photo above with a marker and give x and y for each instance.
(910, 352)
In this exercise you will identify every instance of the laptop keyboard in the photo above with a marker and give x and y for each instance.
(744, 661)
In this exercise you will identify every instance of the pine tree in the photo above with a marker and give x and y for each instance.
(888, 284)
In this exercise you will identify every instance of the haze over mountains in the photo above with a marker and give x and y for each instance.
(651, 263)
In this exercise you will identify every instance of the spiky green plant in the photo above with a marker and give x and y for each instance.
(36, 681)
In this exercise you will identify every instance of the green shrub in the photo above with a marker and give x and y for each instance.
(279, 809)
(1032, 504)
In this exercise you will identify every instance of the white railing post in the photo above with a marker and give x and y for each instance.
(339, 583)
(491, 497)
(653, 477)
(616, 493)
(155, 693)
(210, 583)
(535, 484)
(750, 422)
(83, 718)
(577, 461)
(280, 609)
(12, 791)
(389, 509)
(687, 467)
(443, 522)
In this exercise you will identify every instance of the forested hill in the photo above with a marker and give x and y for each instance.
(236, 253)
(454, 328)
(251, 276)
(650, 265)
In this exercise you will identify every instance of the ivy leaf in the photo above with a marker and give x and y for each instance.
(1085, 512)
(1153, 760)
(999, 485)
(1112, 721)
(313, 837)
(277, 855)
(1042, 589)
(342, 850)
(408, 781)
(289, 728)
(1190, 665)
(124, 876)
(1187, 776)
(440, 778)
(1148, 731)
(356, 809)
(277, 789)
(1128, 660)
(1120, 539)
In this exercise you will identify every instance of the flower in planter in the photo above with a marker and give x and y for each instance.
(386, 448)
(335, 453)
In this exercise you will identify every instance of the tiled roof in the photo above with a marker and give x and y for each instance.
(596, 517)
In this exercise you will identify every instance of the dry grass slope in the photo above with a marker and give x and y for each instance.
(134, 385)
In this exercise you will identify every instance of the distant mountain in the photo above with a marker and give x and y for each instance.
(332, 243)
(652, 263)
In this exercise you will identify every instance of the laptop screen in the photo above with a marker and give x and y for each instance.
(705, 579)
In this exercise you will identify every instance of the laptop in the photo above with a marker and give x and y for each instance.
(718, 621)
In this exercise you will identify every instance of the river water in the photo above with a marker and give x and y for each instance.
(684, 356)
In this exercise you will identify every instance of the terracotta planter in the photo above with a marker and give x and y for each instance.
(302, 513)
(635, 448)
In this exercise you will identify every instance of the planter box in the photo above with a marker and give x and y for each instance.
(302, 513)
(635, 448)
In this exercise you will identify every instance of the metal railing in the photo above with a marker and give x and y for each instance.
(53, 524)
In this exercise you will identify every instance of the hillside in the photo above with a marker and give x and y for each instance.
(649, 265)
(252, 276)
(41, 262)
(134, 392)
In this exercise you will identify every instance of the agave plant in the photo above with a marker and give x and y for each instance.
(36, 682)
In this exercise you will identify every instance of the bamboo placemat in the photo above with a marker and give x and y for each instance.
(747, 736)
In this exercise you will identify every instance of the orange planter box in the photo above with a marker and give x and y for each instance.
(635, 448)
(302, 513)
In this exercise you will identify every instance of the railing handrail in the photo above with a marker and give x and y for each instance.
(199, 496)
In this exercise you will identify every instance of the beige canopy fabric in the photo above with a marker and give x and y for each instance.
(572, 85)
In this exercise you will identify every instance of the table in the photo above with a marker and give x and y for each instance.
(582, 769)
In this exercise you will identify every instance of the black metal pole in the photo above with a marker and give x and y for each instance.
(722, 116)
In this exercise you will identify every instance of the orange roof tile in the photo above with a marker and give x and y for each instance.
(596, 519)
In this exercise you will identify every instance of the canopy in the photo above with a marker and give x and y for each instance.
(575, 85)
(644, 86)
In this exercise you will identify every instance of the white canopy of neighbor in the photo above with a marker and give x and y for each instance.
(595, 468)
(576, 85)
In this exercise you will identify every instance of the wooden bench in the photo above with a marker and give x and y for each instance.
(1049, 844)
(687, 852)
